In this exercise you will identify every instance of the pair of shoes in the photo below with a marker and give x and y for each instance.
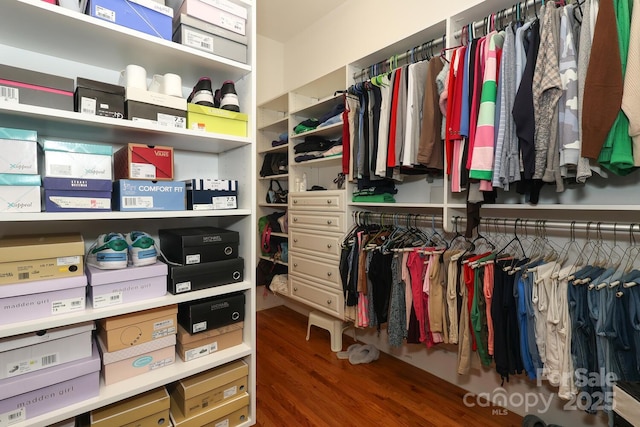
(358, 353)
(114, 251)
(225, 98)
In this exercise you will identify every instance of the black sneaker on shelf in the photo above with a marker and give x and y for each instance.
(202, 93)
(229, 97)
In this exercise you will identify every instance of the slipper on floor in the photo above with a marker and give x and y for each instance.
(351, 349)
(533, 421)
(365, 354)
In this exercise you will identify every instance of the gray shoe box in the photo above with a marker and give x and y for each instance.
(210, 38)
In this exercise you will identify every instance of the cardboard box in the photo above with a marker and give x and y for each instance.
(77, 201)
(63, 159)
(33, 351)
(146, 16)
(207, 27)
(19, 193)
(33, 88)
(156, 115)
(134, 195)
(195, 245)
(195, 394)
(29, 258)
(152, 405)
(187, 278)
(131, 284)
(210, 43)
(40, 392)
(155, 98)
(210, 313)
(21, 302)
(211, 194)
(224, 5)
(18, 151)
(140, 161)
(138, 359)
(77, 184)
(131, 329)
(216, 120)
(184, 337)
(205, 10)
(98, 98)
(198, 349)
(214, 415)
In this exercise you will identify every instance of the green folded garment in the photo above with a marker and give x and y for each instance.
(375, 198)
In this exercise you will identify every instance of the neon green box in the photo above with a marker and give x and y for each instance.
(216, 120)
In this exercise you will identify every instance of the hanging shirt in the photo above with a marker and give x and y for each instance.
(383, 129)
(631, 94)
(569, 135)
(431, 150)
(417, 77)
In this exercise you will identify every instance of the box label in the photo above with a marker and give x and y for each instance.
(201, 351)
(68, 260)
(197, 40)
(171, 121)
(223, 423)
(32, 364)
(9, 94)
(199, 327)
(81, 202)
(88, 105)
(224, 202)
(143, 170)
(183, 287)
(104, 13)
(106, 300)
(163, 333)
(61, 170)
(160, 363)
(67, 305)
(13, 417)
(193, 259)
(137, 202)
(163, 324)
(231, 391)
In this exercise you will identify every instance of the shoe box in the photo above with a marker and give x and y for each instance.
(194, 346)
(626, 403)
(127, 330)
(221, 13)
(19, 148)
(211, 194)
(34, 88)
(197, 393)
(22, 302)
(187, 278)
(20, 193)
(147, 16)
(77, 194)
(139, 195)
(34, 351)
(156, 108)
(140, 161)
(29, 258)
(210, 38)
(39, 392)
(98, 98)
(63, 159)
(230, 413)
(211, 313)
(113, 287)
(197, 245)
(216, 120)
(149, 409)
(137, 359)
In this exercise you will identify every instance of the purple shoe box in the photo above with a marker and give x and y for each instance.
(131, 284)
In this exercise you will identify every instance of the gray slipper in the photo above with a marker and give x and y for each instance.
(365, 354)
(350, 350)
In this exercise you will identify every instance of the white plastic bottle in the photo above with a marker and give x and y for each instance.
(303, 184)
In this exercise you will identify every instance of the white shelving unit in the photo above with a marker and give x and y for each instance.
(51, 39)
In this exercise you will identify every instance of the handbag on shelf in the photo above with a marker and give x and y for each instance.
(278, 194)
(274, 164)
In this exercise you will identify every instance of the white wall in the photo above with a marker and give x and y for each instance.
(270, 69)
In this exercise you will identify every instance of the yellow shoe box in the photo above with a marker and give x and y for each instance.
(216, 120)
(150, 409)
(120, 332)
(215, 415)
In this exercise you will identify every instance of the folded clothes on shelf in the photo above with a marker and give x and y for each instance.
(315, 143)
(336, 150)
(306, 126)
(375, 198)
(335, 111)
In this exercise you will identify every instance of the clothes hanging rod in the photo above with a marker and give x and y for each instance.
(386, 218)
(590, 226)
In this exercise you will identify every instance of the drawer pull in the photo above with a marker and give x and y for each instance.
(329, 245)
(329, 221)
(329, 274)
(328, 302)
(295, 219)
(295, 264)
(295, 289)
(329, 201)
(295, 240)
(295, 202)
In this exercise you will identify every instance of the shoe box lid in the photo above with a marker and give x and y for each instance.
(155, 98)
(45, 335)
(132, 409)
(134, 350)
(77, 184)
(217, 112)
(82, 82)
(75, 147)
(97, 277)
(36, 78)
(21, 248)
(19, 180)
(18, 134)
(42, 286)
(197, 236)
(184, 19)
(124, 320)
(211, 313)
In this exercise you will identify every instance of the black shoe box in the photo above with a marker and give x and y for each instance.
(198, 245)
(187, 278)
(211, 313)
(38, 92)
(100, 99)
(163, 116)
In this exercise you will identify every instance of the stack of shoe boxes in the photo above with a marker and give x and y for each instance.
(217, 397)
(47, 370)
(19, 179)
(76, 176)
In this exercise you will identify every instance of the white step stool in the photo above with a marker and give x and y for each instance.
(335, 327)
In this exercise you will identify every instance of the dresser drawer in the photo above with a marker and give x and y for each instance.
(316, 269)
(315, 243)
(327, 300)
(325, 221)
(318, 200)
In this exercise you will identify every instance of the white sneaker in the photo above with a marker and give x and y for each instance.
(142, 248)
(108, 252)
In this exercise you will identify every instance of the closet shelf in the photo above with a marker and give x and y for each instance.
(323, 131)
(279, 149)
(564, 207)
(318, 108)
(92, 216)
(280, 234)
(324, 160)
(270, 177)
(106, 45)
(84, 127)
(399, 205)
(277, 126)
(116, 310)
(271, 259)
(273, 205)
(141, 383)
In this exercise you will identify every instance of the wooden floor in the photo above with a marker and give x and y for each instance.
(303, 383)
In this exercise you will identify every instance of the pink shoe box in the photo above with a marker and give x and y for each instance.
(36, 393)
(131, 284)
(20, 302)
(138, 359)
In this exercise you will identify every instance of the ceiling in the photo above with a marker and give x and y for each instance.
(280, 20)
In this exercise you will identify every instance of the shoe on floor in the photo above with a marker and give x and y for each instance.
(351, 349)
(365, 354)
(533, 421)
(202, 93)
(229, 97)
(142, 248)
(108, 252)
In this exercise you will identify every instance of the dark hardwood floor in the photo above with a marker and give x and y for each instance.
(303, 383)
